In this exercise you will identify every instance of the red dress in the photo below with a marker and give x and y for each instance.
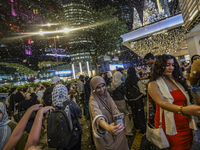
(183, 139)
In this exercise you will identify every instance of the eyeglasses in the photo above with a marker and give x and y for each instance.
(196, 58)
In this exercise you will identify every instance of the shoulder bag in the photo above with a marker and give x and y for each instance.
(156, 136)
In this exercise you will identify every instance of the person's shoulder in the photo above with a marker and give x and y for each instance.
(196, 64)
(152, 84)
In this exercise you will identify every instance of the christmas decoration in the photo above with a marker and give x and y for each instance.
(164, 42)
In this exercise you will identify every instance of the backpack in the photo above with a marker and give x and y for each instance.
(59, 127)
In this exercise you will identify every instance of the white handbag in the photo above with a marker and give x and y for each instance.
(156, 136)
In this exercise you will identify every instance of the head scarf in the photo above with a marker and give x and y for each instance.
(116, 80)
(59, 95)
(5, 119)
(5, 130)
(105, 99)
(109, 74)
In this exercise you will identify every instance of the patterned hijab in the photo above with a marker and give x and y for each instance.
(59, 95)
(5, 119)
(116, 80)
(5, 130)
(105, 99)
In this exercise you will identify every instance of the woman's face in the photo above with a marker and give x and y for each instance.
(169, 68)
(103, 75)
(100, 89)
(15, 91)
(1, 116)
(195, 58)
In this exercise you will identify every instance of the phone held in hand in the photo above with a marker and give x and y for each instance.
(119, 118)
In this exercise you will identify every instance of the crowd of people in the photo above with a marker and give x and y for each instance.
(114, 96)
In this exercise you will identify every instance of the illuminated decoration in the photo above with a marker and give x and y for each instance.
(115, 66)
(191, 12)
(157, 44)
(146, 12)
(59, 55)
(25, 14)
(12, 25)
(73, 71)
(28, 52)
(88, 68)
(28, 49)
(63, 72)
(80, 65)
(156, 27)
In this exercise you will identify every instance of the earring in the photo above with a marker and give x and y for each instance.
(93, 91)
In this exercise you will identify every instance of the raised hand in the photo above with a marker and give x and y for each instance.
(36, 107)
(45, 109)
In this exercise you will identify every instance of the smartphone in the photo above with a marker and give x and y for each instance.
(119, 118)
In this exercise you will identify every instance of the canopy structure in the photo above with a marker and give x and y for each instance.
(162, 37)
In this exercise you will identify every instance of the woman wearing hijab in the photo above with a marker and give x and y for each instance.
(118, 93)
(59, 96)
(6, 128)
(107, 135)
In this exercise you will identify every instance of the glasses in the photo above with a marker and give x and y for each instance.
(196, 58)
(99, 88)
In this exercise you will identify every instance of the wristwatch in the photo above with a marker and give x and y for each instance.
(180, 110)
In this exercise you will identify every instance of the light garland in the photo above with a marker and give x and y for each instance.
(157, 44)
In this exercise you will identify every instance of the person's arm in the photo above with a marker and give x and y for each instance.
(43, 87)
(112, 128)
(156, 95)
(18, 131)
(195, 72)
(144, 78)
(34, 135)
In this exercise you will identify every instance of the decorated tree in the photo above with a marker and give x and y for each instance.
(151, 13)
(104, 35)
(137, 23)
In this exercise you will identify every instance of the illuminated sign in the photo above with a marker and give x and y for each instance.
(59, 55)
(63, 72)
(115, 66)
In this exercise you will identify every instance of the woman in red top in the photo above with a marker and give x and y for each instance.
(168, 89)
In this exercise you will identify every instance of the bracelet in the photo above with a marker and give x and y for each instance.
(180, 110)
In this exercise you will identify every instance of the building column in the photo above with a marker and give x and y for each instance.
(193, 41)
(73, 71)
(88, 68)
(80, 65)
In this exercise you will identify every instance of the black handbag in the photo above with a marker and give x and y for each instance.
(146, 145)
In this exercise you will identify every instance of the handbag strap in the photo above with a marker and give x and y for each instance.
(161, 110)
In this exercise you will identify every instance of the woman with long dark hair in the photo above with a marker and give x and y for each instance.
(135, 93)
(170, 92)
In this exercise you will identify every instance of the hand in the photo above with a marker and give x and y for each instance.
(36, 107)
(31, 90)
(115, 129)
(45, 109)
(191, 110)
